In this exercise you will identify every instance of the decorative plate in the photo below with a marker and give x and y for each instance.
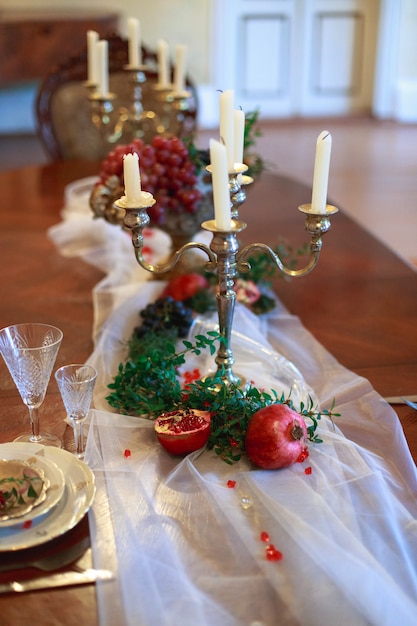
(77, 497)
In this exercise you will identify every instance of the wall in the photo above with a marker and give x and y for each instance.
(405, 104)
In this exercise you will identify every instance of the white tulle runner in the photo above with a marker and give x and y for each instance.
(185, 543)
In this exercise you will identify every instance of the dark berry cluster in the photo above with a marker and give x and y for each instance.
(165, 314)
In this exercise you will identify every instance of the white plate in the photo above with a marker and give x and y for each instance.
(77, 498)
(52, 473)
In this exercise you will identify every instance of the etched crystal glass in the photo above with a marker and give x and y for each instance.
(29, 351)
(76, 384)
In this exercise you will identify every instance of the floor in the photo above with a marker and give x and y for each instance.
(373, 171)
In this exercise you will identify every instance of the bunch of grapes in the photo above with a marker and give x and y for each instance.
(167, 172)
(165, 314)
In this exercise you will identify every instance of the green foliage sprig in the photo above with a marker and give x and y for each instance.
(149, 384)
(232, 407)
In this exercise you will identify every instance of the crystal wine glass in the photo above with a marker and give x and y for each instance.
(76, 384)
(29, 351)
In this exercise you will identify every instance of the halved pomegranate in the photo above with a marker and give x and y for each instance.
(276, 436)
(183, 431)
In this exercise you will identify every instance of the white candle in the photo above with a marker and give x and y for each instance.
(163, 74)
(227, 126)
(220, 180)
(134, 43)
(92, 39)
(179, 70)
(103, 67)
(131, 172)
(239, 131)
(321, 172)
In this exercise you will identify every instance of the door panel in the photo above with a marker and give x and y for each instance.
(265, 39)
(297, 57)
(339, 55)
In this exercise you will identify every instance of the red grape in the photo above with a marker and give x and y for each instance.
(166, 171)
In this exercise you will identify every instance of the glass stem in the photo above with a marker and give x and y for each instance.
(79, 438)
(34, 423)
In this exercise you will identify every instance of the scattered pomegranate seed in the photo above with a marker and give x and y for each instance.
(308, 470)
(264, 536)
(303, 455)
(190, 377)
(27, 524)
(231, 484)
(272, 554)
(127, 453)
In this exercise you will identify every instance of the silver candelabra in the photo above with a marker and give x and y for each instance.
(130, 120)
(225, 258)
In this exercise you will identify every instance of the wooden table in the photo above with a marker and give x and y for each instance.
(360, 303)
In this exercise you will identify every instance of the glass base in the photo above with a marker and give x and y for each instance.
(46, 439)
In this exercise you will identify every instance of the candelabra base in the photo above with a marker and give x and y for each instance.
(228, 380)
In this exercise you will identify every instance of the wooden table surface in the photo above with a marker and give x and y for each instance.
(360, 302)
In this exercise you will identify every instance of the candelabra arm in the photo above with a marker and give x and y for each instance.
(162, 268)
(317, 224)
(244, 265)
(137, 218)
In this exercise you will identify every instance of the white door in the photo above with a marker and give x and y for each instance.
(296, 57)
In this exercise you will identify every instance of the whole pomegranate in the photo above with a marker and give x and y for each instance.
(183, 431)
(276, 436)
(185, 286)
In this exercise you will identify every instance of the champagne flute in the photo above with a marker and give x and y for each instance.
(76, 384)
(29, 351)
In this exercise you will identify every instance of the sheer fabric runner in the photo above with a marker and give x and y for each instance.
(185, 547)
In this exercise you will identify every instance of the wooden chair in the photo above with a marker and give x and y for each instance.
(64, 112)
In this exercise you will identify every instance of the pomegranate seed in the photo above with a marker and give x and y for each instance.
(27, 524)
(264, 536)
(308, 470)
(304, 454)
(272, 554)
(231, 484)
(127, 453)
(189, 377)
(187, 422)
